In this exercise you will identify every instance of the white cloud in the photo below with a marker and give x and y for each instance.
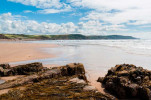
(46, 6)
(13, 24)
(132, 12)
(28, 11)
(48, 11)
(43, 4)
(111, 4)
(146, 26)
(131, 17)
(117, 11)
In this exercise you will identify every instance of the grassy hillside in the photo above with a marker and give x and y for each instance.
(62, 37)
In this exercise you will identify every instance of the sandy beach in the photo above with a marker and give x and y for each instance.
(13, 52)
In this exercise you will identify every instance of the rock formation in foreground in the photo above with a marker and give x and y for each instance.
(39, 83)
(27, 69)
(128, 82)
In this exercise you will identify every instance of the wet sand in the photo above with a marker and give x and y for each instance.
(13, 52)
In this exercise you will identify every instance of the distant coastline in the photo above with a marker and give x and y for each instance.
(62, 37)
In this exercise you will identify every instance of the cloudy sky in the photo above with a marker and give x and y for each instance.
(88, 17)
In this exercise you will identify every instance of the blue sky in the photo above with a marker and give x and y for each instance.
(20, 9)
(88, 17)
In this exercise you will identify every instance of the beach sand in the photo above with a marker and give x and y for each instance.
(13, 52)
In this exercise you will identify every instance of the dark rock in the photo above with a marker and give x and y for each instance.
(100, 79)
(5, 66)
(60, 83)
(72, 69)
(82, 76)
(27, 69)
(128, 81)
(75, 69)
(145, 93)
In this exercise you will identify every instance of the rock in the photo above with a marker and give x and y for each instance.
(75, 69)
(4, 69)
(27, 69)
(55, 89)
(1, 69)
(59, 83)
(100, 79)
(145, 93)
(128, 81)
(82, 76)
(5, 66)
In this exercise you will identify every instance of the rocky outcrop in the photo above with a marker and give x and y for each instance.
(27, 69)
(73, 69)
(68, 70)
(60, 83)
(128, 81)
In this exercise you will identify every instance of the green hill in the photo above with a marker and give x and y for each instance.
(63, 37)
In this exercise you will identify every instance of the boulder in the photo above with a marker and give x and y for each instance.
(5, 66)
(26, 69)
(128, 81)
(72, 69)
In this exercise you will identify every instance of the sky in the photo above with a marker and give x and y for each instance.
(87, 17)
